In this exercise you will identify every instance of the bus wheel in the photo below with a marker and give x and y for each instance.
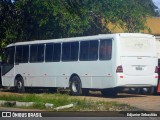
(75, 86)
(134, 90)
(109, 92)
(147, 91)
(20, 85)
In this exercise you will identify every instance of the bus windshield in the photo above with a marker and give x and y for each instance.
(8, 55)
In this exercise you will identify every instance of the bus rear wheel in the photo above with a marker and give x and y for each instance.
(20, 85)
(147, 91)
(75, 86)
(134, 90)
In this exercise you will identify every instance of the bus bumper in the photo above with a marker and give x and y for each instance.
(136, 81)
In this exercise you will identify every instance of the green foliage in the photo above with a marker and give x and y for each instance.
(24, 20)
(64, 99)
(134, 15)
(6, 22)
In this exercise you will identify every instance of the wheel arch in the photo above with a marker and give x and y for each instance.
(74, 74)
(17, 76)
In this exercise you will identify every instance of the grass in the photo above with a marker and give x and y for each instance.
(64, 99)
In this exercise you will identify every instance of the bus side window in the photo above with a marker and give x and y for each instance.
(53, 52)
(49, 53)
(25, 54)
(37, 53)
(84, 50)
(93, 50)
(40, 53)
(57, 52)
(89, 50)
(70, 51)
(22, 54)
(33, 53)
(74, 51)
(105, 50)
(66, 50)
(19, 50)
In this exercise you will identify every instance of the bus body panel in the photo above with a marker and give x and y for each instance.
(8, 78)
(8, 81)
(51, 77)
(138, 66)
(136, 81)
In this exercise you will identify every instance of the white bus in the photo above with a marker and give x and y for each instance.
(103, 62)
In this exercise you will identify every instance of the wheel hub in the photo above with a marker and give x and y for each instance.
(75, 86)
(19, 84)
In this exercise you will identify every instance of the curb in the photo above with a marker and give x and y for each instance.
(28, 104)
(16, 103)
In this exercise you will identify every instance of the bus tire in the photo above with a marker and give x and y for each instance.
(75, 86)
(147, 91)
(20, 85)
(134, 90)
(109, 92)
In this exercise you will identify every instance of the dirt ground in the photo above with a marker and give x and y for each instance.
(142, 102)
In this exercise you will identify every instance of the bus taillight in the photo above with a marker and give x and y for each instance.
(119, 69)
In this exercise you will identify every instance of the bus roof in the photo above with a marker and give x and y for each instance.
(100, 36)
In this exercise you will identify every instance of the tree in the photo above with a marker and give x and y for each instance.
(92, 17)
(135, 14)
(7, 22)
(24, 20)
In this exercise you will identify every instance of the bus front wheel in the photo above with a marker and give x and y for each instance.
(75, 86)
(20, 85)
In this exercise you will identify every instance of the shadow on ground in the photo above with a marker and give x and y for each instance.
(62, 91)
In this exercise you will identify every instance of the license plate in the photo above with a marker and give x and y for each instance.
(139, 68)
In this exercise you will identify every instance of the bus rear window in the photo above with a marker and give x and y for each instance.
(135, 44)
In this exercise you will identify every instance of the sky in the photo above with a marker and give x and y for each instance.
(157, 3)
